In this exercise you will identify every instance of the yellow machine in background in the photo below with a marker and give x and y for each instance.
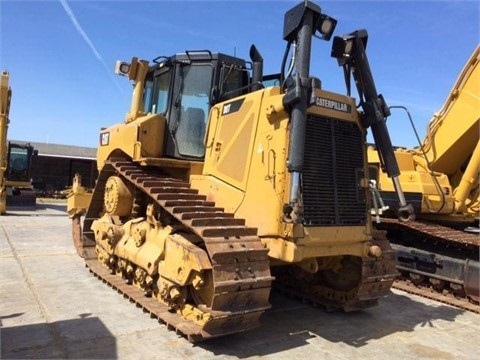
(5, 96)
(440, 179)
(16, 189)
(216, 181)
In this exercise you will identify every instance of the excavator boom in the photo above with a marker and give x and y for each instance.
(5, 96)
(441, 179)
(453, 131)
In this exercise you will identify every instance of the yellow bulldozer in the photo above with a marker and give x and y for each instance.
(440, 179)
(16, 189)
(222, 181)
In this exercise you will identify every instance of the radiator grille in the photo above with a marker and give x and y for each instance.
(333, 167)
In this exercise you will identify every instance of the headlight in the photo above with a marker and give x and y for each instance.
(326, 26)
(122, 68)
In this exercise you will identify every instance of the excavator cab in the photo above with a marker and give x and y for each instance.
(19, 162)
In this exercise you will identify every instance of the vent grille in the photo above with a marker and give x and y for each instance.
(333, 168)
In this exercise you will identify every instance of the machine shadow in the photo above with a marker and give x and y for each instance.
(57, 207)
(290, 324)
(40, 209)
(83, 338)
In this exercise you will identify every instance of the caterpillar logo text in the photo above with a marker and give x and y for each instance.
(333, 105)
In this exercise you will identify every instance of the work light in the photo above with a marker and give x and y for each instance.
(343, 46)
(122, 68)
(326, 26)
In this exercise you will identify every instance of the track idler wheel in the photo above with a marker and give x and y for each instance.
(118, 198)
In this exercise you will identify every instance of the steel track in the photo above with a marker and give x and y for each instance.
(240, 262)
(241, 272)
(442, 238)
(426, 292)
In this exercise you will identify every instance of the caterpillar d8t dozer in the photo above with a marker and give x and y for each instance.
(441, 180)
(218, 185)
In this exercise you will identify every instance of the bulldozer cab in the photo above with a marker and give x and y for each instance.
(183, 87)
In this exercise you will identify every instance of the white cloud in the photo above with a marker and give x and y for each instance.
(87, 40)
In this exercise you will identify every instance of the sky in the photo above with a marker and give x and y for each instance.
(61, 54)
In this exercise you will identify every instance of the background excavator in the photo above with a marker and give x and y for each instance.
(441, 180)
(217, 183)
(16, 189)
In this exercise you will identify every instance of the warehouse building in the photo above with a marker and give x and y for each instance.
(55, 166)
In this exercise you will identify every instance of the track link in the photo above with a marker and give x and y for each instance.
(429, 293)
(241, 271)
(433, 232)
(149, 305)
(436, 262)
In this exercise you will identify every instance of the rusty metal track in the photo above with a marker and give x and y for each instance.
(429, 293)
(433, 232)
(435, 245)
(150, 305)
(241, 272)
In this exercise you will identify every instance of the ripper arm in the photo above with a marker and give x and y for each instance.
(351, 55)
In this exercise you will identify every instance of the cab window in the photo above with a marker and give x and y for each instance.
(156, 93)
(193, 105)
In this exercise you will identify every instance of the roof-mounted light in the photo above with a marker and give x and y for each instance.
(325, 26)
(295, 19)
(344, 46)
(122, 68)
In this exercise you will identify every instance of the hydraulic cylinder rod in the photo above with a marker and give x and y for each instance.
(351, 54)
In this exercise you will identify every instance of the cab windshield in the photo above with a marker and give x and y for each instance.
(18, 164)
